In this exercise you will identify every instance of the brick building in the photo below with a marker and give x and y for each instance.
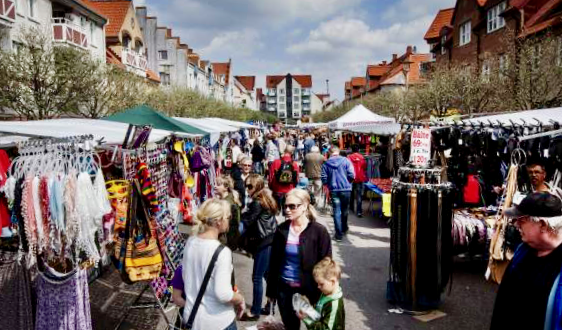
(475, 32)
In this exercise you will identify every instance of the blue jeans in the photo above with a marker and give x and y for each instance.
(261, 265)
(258, 168)
(340, 205)
(358, 191)
(232, 326)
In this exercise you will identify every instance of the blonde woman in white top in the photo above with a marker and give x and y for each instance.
(217, 309)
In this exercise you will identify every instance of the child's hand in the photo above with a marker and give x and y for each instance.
(301, 315)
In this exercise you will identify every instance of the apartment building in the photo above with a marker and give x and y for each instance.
(288, 96)
(69, 22)
(243, 92)
(474, 32)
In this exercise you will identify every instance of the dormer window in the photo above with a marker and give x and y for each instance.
(495, 21)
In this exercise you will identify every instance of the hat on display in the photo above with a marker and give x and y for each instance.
(542, 205)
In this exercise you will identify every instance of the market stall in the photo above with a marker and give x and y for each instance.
(74, 205)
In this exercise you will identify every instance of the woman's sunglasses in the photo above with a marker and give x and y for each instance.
(292, 207)
(249, 187)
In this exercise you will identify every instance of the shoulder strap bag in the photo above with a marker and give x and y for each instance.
(203, 288)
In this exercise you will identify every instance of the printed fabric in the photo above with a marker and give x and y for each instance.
(63, 304)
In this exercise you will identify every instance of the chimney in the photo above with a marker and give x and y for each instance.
(409, 50)
(415, 50)
(394, 57)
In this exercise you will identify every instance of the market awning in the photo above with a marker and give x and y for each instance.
(111, 132)
(359, 116)
(546, 117)
(379, 129)
(145, 115)
(234, 123)
(207, 125)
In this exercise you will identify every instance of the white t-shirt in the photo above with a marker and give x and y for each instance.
(215, 311)
(236, 152)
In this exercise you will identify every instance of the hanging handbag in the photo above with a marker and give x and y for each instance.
(203, 288)
(143, 260)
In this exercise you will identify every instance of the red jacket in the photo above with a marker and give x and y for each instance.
(274, 185)
(360, 167)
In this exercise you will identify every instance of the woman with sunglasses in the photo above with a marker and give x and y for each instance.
(224, 189)
(260, 224)
(240, 172)
(299, 244)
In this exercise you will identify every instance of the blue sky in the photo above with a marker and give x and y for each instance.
(329, 39)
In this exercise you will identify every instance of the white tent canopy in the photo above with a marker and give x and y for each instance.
(234, 123)
(359, 116)
(111, 132)
(208, 125)
(380, 129)
(545, 116)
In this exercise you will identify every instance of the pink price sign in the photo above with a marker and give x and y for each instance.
(420, 152)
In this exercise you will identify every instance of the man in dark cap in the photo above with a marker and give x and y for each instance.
(530, 296)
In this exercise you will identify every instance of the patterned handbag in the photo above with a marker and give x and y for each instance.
(143, 260)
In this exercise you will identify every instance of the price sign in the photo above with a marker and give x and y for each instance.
(421, 147)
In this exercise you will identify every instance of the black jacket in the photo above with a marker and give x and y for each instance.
(239, 184)
(258, 154)
(260, 227)
(315, 245)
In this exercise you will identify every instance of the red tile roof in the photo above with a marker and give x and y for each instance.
(322, 97)
(153, 76)
(83, 3)
(482, 3)
(544, 10)
(249, 82)
(222, 69)
(377, 70)
(273, 81)
(115, 11)
(304, 80)
(112, 58)
(541, 26)
(348, 85)
(358, 81)
(444, 18)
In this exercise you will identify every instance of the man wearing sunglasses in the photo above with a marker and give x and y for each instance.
(338, 173)
(530, 294)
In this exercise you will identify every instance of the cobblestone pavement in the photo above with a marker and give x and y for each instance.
(363, 254)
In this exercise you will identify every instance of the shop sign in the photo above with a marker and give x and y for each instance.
(421, 147)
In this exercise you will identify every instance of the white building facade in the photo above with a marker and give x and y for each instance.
(289, 96)
(68, 22)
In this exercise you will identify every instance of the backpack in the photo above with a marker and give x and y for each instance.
(472, 191)
(286, 174)
(359, 172)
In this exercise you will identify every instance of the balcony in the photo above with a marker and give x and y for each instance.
(7, 11)
(306, 92)
(281, 114)
(271, 92)
(306, 101)
(296, 114)
(306, 108)
(272, 100)
(271, 108)
(134, 59)
(65, 31)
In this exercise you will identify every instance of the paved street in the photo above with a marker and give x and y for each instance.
(364, 256)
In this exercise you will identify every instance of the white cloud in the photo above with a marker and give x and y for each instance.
(234, 43)
(342, 47)
(405, 10)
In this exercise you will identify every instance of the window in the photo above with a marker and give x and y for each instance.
(32, 5)
(485, 69)
(165, 78)
(297, 98)
(282, 106)
(281, 91)
(281, 99)
(19, 8)
(92, 33)
(296, 106)
(495, 21)
(281, 115)
(163, 54)
(443, 41)
(503, 64)
(296, 91)
(464, 33)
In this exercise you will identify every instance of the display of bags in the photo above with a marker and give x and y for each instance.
(143, 260)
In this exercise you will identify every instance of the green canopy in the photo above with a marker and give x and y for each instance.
(145, 115)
